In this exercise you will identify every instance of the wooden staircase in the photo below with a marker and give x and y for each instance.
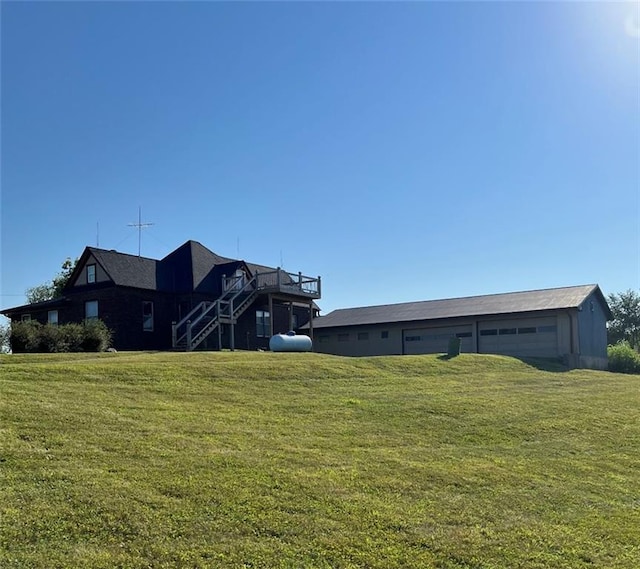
(208, 316)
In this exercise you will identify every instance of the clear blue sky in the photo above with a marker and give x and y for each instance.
(402, 151)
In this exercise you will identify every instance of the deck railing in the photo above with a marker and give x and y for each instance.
(284, 281)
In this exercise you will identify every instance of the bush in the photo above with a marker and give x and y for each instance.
(25, 336)
(33, 337)
(97, 337)
(623, 358)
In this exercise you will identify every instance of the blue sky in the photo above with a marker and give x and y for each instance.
(402, 151)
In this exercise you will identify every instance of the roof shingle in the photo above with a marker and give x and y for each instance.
(506, 303)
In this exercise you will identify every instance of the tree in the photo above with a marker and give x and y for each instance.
(625, 325)
(53, 289)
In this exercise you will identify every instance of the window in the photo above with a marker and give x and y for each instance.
(546, 329)
(343, 337)
(147, 316)
(363, 335)
(384, 334)
(25, 317)
(263, 323)
(492, 332)
(506, 331)
(52, 317)
(91, 309)
(531, 330)
(463, 335)
(91, 274)
(413, 338)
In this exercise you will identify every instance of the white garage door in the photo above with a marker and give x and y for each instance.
(435, 340)
(531, 337)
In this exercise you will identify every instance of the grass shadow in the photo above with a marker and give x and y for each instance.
(553, 365)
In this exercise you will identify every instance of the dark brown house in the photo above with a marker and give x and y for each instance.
(191, 299)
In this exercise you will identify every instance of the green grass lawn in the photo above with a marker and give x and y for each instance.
(304, 460)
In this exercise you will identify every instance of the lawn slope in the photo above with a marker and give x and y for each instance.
(305, 460)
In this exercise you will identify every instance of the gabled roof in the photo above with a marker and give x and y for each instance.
(124, 269)
(493, 304)
(187, 268)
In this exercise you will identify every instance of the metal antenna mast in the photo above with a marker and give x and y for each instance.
(140, 227)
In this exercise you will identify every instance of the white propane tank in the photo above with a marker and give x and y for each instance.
(290, 343)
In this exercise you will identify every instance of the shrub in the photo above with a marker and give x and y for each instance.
(96, 337)
(25, 336)
(91, 336)
(73, 336)
(623, 358)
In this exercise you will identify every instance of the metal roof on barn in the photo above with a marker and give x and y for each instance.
(493, 304)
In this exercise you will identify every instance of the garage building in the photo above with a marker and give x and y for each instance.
(567, 323)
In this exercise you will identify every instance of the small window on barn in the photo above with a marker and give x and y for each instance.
(363, 335)
(546, 329)
(490, 332)
(147, 316)
(52, 317)
(91, 274)
(25, 317)
(413, 338)
(507, 331)
(91, 309)
(463, 335)
(343, 337)
(529, 330)
(384, 334)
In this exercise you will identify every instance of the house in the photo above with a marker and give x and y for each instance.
(567, 323)
(192, 298)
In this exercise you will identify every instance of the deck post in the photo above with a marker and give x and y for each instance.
(290, 315)
(219, 325)
(188, 335)
(232, 340)
(174, 335)
(311, 321)
(271, 310)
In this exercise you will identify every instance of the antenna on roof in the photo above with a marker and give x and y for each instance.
(140, 227)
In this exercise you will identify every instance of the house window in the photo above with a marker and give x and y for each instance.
(91, 309)
(91, 274)
(492, 332)
(52, 317)
(384, 334)
(507, 331)
(413, 338)
(263, 323)
(363, 335)
(343, 337)
(25, 317)
(147, 316)
(463, 335)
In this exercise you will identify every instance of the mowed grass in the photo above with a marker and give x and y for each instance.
(305, 460)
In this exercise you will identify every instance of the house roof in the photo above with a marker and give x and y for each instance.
(493, 304)
(191, 267)
(125, 269)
